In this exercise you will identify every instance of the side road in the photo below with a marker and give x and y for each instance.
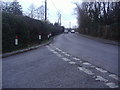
(101, 39)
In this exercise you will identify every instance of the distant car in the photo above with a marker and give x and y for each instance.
(72, 31)
(65, 31)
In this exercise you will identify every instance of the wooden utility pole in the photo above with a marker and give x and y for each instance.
(59, 19)
(70, 25)
(45, 10)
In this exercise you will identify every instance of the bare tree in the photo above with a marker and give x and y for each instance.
(31, 11)
(12, 7)
(40, 12)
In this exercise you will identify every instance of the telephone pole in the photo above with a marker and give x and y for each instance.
(45, 10)
(59, 18)
(70, 25)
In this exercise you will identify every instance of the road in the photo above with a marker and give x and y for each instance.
(70, 61)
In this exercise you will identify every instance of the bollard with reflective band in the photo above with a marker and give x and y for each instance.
(48, 35)
(40, 37)
(16, 41)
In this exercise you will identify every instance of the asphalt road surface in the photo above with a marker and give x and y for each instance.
(70, 61)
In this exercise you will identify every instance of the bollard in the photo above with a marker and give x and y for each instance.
(40, 37)
(16, 40)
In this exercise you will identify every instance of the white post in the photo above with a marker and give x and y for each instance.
(48, 35)
(40, 37)
(16, 41)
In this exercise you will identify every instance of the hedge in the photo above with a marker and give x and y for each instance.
(27, 31)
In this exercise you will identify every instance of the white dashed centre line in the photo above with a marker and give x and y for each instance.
(101, 70)
(86, 63)
(114, 76)
(112, 85)
(64, 52)
(71, 62)
(59, 55)
(76, 59)
(93, 66)
(80, 61)
(65, 59)
(55, 52)
(86, 70)
(52, 50)
(67, 54)
(99, 78)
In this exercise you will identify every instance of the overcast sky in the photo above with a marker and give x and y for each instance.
(66, 8)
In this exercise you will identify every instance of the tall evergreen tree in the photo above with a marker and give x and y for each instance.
(15, 8)
(12, 7)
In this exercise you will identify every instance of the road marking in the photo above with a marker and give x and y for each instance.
(93, 66)
(51, 45)
(63, 52)
(47, 46)
(114, 76)
(80, 61)
(86, 70)
(58, 49)
(86, 63)
(59, 55)
(112, 85)
(65, 59)
(76, 58)
(55, 52)
(67, 54)
(52, 50)
(99, 78)
(101, 70)
(71, 62)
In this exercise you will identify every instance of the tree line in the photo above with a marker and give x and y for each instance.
(100, 19)
(28, 31)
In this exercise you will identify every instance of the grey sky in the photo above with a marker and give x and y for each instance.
(66, 8)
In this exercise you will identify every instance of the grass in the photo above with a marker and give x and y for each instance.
(32, 45)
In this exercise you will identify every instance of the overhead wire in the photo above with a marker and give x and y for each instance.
(55, 6)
